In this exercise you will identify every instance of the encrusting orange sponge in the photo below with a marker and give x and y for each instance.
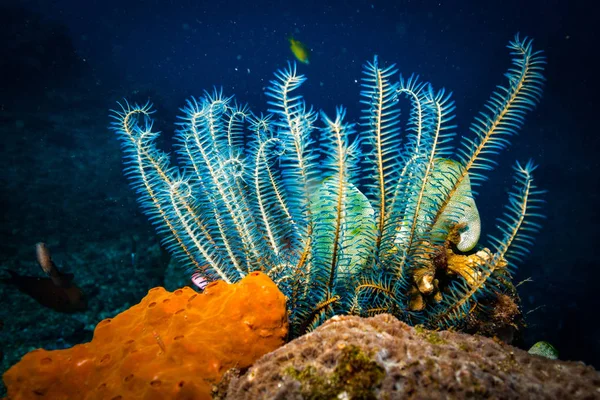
(169, 346)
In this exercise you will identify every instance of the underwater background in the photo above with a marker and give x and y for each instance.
(64, 64)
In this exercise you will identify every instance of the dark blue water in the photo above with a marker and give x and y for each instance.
(65, 63)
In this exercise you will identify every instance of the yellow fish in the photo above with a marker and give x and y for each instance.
(301, 52)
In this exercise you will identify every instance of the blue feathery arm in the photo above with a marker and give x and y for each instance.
(505, 114)
(163, 193)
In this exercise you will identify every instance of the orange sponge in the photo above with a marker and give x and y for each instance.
(169, 346)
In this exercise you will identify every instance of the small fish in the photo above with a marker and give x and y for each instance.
(56, 292)
(198, 280)
(544, 349)
(301, 52)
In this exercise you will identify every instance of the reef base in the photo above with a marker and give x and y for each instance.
(384, 358)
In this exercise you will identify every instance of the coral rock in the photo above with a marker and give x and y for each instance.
(169, 346)
(383, 358)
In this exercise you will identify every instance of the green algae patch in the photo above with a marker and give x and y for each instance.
(430, 336)
(355, 374)
(464, 347)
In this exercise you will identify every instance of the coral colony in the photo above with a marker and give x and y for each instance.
(373, 219)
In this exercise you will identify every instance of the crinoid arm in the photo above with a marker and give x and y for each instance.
(504, 116)
(164, 196)
(295, 124)
(380, 122)
(343, 227)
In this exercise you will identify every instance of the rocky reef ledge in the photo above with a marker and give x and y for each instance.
(383, 358)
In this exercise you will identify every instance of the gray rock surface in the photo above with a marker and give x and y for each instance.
(383, 358)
